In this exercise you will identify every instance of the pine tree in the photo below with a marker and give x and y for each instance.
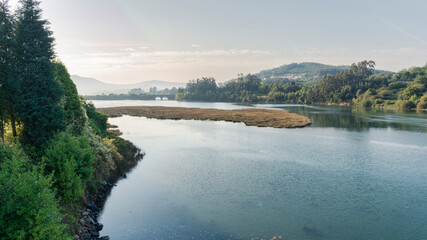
(8, 83)
(39, 111)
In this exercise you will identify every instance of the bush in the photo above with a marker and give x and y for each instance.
(379, 101)
(97, 120)
(397, 85)
(70, 159)
(70, 101)
(105, 155)
(405, 104)
(28, 208)
(367, 103)
(422, 105)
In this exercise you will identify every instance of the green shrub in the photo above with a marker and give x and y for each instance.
(405, 104)
(379, 101)
(367, 103)
(70, 159)
(97, 120)
(397, 85)
(75, 116)
(105, 153)
(422, 105)
(28, 208)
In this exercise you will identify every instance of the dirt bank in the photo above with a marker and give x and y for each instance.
(250, 117)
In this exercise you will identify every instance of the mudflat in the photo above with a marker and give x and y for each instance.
(250, 117)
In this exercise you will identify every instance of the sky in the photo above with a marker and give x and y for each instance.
(129, 41)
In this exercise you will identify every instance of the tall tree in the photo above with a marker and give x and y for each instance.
(75, 116)
(8, 84)
(40, 111)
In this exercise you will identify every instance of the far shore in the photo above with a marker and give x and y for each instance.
(250, 117)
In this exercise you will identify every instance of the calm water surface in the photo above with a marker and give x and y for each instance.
(353, 174)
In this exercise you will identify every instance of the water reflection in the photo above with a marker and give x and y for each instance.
(360, 119)
(220, 180)
(349, 118)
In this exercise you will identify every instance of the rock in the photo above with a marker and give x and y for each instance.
(105, 238)
(92, 207)
(99, 226)
(91, 221)
(95, 235)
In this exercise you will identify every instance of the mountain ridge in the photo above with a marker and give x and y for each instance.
(92, 86)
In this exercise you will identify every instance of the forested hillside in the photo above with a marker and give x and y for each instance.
(306, 72)
(358, 85)
(55, 150)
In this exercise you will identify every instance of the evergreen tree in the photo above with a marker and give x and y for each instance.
(8, 84)
(40, 111)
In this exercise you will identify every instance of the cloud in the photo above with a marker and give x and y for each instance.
(207, 53)
(131, 58)
(195, 45)
(129, 49)
(132, 63)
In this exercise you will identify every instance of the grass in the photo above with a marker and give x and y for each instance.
(250, 117)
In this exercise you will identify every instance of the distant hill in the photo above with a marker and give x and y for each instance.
(306, 72)
(91, 86)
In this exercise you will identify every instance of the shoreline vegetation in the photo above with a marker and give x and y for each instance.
(360, 85)
(57, 158)
(250, 117)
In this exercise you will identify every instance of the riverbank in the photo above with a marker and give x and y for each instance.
(89, 227)
(250, 117)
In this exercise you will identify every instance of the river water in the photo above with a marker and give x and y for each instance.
(353, 174)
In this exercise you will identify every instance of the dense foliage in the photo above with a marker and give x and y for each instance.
(9, 88)
(39, 108)
(97, 120)
(28, 208)
(70, 159)
(357, 85)
(244, 89)
(70, 101)
(54, 147)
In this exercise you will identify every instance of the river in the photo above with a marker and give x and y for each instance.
(353, 174)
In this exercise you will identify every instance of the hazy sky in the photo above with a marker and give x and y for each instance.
(128, 41)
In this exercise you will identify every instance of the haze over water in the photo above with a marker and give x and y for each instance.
(217, 180)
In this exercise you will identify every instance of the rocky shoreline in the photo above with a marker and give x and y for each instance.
(89, 227)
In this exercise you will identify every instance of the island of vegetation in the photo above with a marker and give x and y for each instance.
(57, 159)
(250, 117)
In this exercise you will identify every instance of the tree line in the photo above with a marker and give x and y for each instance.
(54, 146)
(358, 85)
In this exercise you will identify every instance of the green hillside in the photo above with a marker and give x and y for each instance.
(306, 72)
